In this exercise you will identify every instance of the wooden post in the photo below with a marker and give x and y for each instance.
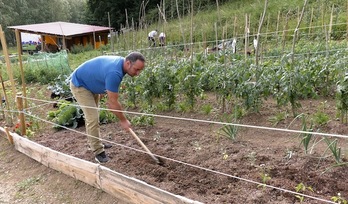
(258, 34)
(285, 31)
(235, 26)
(331, 19)
(277, 28)
(9, 136)
(310, 22)
(216, 41)
(296, 32)
(21, 114)
(8, 64)
(19, 49)
(246, 48)
(111, 36)
(7, 116)
(94, 41)
(191, 34)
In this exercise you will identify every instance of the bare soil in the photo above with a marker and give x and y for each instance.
(208, 167)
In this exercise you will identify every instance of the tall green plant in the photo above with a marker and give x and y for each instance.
(342, 98)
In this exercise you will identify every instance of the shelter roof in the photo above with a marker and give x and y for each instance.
(60, 28)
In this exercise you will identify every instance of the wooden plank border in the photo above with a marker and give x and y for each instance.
(123, 187)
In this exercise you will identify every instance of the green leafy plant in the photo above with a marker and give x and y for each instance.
(301, 188)
(339, 199)
(66, 115)
(336, 151)
(207, 108)
(27, 183)
(306, 137)
(321, 118)
(144, 120)
(60, 87)
(265, 177)
(342, 98)
(230, 131)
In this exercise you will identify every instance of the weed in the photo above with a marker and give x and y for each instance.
(183, 107)
(27, 183)
(321, 118)
(157, 136)
(265, 177)
(252, 158)
(301, 188)
(207, 108)
(275, 120)
(143, 120)
(339, 199)
(289, 154)
(197, 146)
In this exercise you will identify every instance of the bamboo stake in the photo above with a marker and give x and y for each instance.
(180, 24)
(218, 11)
(296, 32)
(8, 64)
(267, 25)
(216, 40)
(235, 26)
(19, 100)
(224, 85)
(18, 39)
(310, 22)
(9, 136)
(111, 35)
(331, 19)
(246, 48)
(277, 27)
(133, 35)
(285, 31)
(258, 34)
(8, 118)
(191, 34)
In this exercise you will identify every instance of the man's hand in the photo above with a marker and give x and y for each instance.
(125, 124)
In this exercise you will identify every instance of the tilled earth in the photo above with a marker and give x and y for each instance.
(260, 166)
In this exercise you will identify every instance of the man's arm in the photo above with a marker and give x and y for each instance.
(114, 104)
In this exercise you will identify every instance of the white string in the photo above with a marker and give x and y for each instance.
(242, 36)
(192, 165)
(206, 121)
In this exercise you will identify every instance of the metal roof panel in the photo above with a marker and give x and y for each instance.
(60, 28)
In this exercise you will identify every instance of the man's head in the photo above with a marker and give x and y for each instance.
(134, 63)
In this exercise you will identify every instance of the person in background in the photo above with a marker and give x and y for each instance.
(96, 77)
(151, 37)
(162, 38)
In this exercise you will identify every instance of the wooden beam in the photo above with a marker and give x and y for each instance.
(125, 188)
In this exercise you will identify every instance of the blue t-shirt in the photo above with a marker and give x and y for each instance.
(100, 74)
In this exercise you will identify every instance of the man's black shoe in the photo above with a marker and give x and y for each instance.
(102, 158)
(107, 145)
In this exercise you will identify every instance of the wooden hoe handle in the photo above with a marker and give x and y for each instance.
(143, 145)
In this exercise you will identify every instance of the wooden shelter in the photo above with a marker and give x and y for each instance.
(63, 35)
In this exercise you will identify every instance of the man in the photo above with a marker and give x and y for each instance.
(98, 76)
(162, 38)
(151, 38)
